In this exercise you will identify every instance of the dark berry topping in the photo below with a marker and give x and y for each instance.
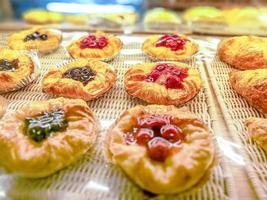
(36, 36)
(82, 74)
(6, 65)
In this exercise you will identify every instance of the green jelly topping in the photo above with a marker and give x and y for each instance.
(40, 127)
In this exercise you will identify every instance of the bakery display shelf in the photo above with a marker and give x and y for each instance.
(91, 177)
(235, 110)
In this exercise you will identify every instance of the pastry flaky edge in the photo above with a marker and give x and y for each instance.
(105, 78)
(166, 54)
(257, 130)
(25, 157)
(158, 94)
(188, 169)
(252, 85)
(106, 54)
(15, 40)
(244, 52)
(13, 80)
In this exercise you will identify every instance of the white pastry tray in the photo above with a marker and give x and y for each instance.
(92, 177)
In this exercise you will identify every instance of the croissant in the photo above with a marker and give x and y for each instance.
(257, 129)
(162, 83)
(244, 52)
(252, 85)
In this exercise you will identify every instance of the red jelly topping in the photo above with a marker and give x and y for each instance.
(170, 76)
(158, 134)
(94, 42)
(174, 42)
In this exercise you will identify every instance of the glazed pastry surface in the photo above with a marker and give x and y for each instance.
(29, 153)
(244, 52)
(66, 82)
(252, 85)
(109, 51)
(137, 84)
(48, 44)
(257, 129)
(184, 165)
(14, 67)
(163, 53)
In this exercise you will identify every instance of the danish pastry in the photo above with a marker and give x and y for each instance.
(40, 39)
(163, 149)
(46, 136)
(169, 47)
(257, 129)
(85, 79)
(162, 83)
(252, 85)
(244, 52)
(14, 68)
(99, 46)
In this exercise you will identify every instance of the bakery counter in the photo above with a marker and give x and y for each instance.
(237, 172)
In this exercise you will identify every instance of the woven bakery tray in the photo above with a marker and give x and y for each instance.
(91, 177)
(235, 110)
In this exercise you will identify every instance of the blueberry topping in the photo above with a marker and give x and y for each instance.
(6, 65)
(82, 74)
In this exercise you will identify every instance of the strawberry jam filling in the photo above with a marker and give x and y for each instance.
(157, 134)
(172, 41)
(168, 75)
(91, 41)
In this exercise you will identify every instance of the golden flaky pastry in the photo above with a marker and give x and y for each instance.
(99, 46)
(41, 39)
(244, 52)
(257, 129)
(162, 83)
(163, 149)
(174, 47)
(15, 67)
(252, 85)
(84, 79)
(46, 136)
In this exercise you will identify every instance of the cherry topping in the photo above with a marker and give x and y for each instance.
(171, 133)
(91, 41)
(158, 149)
(173, 76)
(154, 120)
(174, 42)
(144, 135)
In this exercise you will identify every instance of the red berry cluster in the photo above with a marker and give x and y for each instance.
(92, 41)
(158, 134)
(174, 75)
(174, 42)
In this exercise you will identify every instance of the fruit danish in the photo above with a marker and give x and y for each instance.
(162, 83)
(84, 79)
(244, 52)
(46, 136)
(15, 67)
(252, 85)
(257, 129)
(163, 149)
(175, 47)
(41, 39)
(99, 46)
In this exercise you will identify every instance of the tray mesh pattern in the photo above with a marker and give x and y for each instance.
(91, 177)
(236, 110)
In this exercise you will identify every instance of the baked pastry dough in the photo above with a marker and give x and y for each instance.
(46, 136)
(3, 106)
(257, 129)
(162, 83)
(163, 149)
(15, 67)
(174, 47)
(252, 85)
(99, 46)
(244, 52)
(40, 39)
(85, 79)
